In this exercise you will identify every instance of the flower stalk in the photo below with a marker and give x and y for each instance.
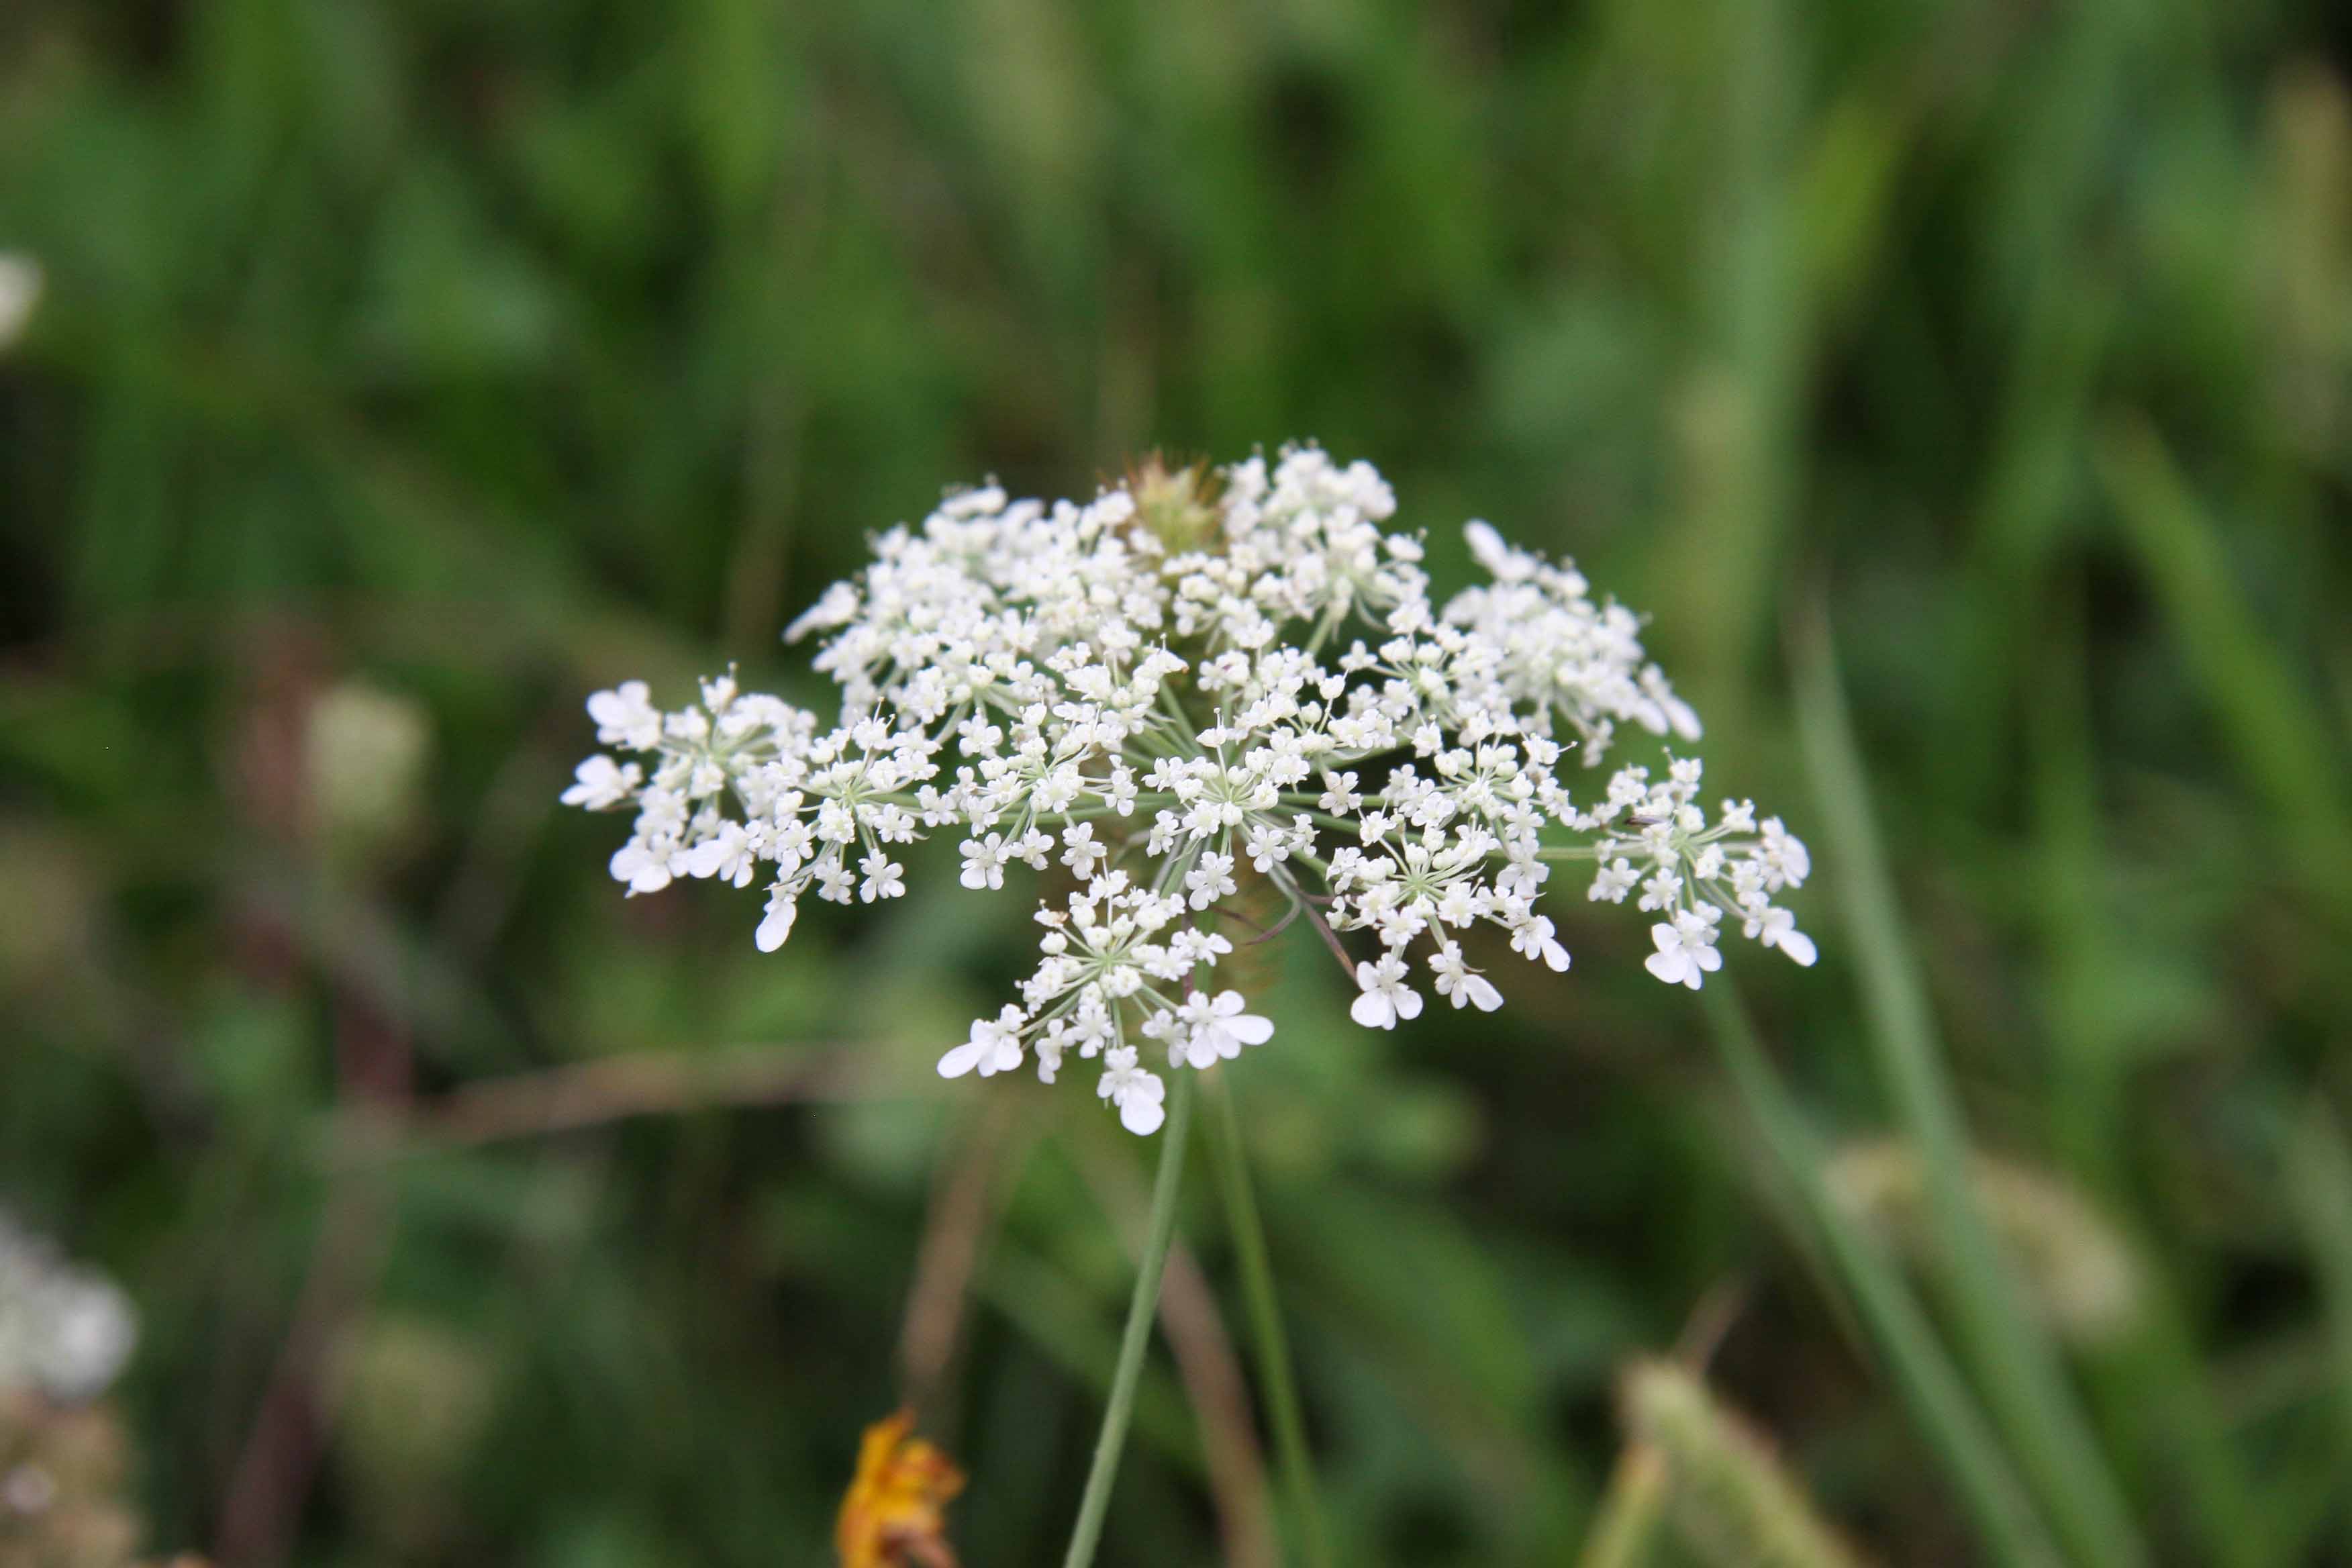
(1279, 1382)
(1094, 1503)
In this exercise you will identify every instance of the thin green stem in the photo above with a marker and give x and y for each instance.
(1094, 1505)
(1274, 1368)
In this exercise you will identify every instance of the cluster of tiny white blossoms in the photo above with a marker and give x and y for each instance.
(1192, 681)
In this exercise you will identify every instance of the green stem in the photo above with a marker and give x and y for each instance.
(1095, 1503)
(1274, 1368)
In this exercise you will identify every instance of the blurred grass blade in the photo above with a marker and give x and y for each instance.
(2009, 1351)
(1730, 1497)
(1923, 1375)
(1625, 1527)
(2319, 1188)
(2149, 1378)
(2273, 727)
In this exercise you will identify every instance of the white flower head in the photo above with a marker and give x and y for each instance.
(1182, 695)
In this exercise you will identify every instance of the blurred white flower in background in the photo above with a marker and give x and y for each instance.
(64, 1332)
(20, 290)
(365, 755)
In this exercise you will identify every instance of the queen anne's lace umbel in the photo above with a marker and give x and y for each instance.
(1189, 682)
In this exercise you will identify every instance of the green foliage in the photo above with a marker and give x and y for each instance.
(405, 371)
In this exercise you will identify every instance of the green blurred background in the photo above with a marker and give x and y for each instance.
(406, 371)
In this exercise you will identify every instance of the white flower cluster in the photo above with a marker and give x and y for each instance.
(64, 1332)
(1191, 681)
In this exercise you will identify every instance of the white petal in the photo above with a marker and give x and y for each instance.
(963, 1059)
(1798, 946)
(1373, 1010)
(1669, 967)
(1251, 1030)
(1486, 546)
(1482, 991)
(776, 927)
(1141, 1114)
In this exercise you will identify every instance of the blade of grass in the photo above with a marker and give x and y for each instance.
(2008, 1351)
(2156, 1365)
(2318, 1170)
(1923, 1375)
(2275, 730)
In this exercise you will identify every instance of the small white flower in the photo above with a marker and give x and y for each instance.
(1082, 854)
(1211, 879)
(1268, 847)
(1136, 1091)
(601, 782)
(885, 877)
(643, 867)
(1533, 936)
(1461, 984)
(1612, 881)
(1687, 952)
(778, 923)
(994, 1046)
(1386, 998)
(727, 855)
(1777, 928)
(1220, 1028)
(627, 717)
(983, 861)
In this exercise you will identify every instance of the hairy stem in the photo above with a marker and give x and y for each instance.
(1095, 1503)
(1274, 1368)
